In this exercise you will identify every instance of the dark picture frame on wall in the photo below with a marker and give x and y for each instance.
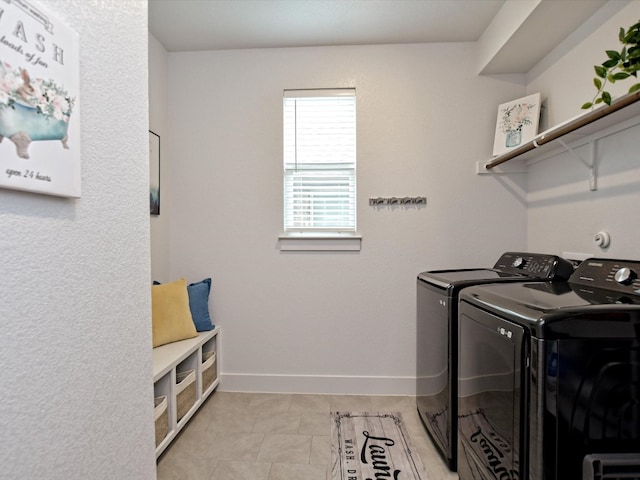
(154, 172)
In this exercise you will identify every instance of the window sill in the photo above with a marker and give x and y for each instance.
(317, 242)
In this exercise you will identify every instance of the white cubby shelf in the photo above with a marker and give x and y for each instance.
(170, 360)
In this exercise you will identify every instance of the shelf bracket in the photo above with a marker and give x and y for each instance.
(591, 164)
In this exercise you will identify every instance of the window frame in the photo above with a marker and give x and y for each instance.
(317, 237)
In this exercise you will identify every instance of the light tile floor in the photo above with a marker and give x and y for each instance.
(246, 436)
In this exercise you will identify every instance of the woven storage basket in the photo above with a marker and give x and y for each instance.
(186, 391)
(209, 373)
(161, 416)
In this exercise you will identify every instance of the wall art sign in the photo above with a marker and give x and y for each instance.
(154, 172)
(517, 123)
(39, 104)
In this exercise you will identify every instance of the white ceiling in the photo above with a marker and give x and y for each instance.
(191, 25)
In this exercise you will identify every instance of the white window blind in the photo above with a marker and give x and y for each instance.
(320, 160)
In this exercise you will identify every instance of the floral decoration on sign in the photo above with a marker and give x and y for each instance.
(516, 116)
(45, 96)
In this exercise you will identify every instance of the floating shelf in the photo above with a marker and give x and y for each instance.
(622, 109)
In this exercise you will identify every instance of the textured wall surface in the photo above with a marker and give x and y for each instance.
(76, 401)
(333, 322)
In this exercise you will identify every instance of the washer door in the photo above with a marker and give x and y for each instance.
(492, 361)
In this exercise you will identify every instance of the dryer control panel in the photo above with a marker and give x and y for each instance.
(618, 275)
(536, 265)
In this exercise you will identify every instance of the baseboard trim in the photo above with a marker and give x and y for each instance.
(317, 384)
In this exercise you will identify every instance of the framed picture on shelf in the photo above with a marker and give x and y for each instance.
(517, 123)
(154, 172)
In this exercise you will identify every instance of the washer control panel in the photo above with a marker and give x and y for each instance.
(618, 275)
(535, 265)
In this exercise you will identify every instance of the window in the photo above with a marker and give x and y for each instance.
(319, 161)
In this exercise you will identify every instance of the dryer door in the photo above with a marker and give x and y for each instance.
(493, 361)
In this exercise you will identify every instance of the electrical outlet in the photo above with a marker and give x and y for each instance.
(576, 258)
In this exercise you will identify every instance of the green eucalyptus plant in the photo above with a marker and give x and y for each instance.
(618, 66)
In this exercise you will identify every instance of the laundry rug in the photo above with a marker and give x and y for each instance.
(367, 446)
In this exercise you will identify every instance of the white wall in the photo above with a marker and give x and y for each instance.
(563, 215)
(76, 400)
(158, 64)
(333, 322)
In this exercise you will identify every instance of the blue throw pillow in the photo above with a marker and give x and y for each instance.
(199, 304)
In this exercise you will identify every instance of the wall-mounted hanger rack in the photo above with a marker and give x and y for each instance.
(379, 201)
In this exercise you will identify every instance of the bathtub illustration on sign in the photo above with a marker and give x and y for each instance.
(32, 110)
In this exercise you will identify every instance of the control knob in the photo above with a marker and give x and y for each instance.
(625, 276)
(518, 262)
